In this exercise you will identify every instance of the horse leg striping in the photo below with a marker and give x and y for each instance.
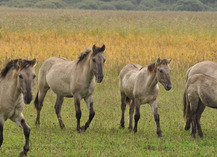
(58, 107)
(123, 107)
(136, 117)
(78, 113)
(91, 115)
(39, 103)
(198, 116)
(154, 107)
(131, 111)
(26, 131)
(157, 120)
(1, 134)
(193, 133)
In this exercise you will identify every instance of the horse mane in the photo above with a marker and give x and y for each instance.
(164, 61)
(151, 67)
(83, 55)
(13, 65)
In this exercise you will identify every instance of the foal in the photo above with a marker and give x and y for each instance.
(140, 86)
(71, 79)
(16, 85)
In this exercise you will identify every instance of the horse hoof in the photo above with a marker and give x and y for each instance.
(187, 128)
(83, 129)
(62, 126)
(37, 123)
(22, 154)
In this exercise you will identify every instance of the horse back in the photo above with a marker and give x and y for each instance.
(205, 67)
(55, 73)
(127, 78)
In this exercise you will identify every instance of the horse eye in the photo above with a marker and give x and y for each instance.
(20, 76)
(94, 60)
(104, 60)
(161, 71)
(34, 76)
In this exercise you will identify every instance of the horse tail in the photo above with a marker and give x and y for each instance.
(36, 101)
(186, 105)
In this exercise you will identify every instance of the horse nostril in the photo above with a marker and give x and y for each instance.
(99, 78)
(168, 87)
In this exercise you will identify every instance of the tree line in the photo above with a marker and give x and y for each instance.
(146, 5)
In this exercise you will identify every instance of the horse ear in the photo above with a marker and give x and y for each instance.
(94, 47)
(102, 49)
(33, 62)
(158, 61)
(170, 60)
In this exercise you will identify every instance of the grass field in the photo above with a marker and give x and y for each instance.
(130, 37)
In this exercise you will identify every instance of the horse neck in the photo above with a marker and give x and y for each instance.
(11, 81)
(152, 79)
(86, 69)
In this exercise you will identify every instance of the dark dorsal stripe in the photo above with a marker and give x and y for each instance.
(13, 65)
(151, 67)
(83, 55)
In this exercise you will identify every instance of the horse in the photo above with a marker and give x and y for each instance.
(207, 68)
(139, 85)
(200, 92)
(71, 79)
(16, 85)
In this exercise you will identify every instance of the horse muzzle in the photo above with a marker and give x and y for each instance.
(27, 99)
(99, 78)
(168, 87)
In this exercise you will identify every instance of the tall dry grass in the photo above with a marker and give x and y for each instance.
(130, 37)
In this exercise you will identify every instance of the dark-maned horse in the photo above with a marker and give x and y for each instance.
(139, 85)
(207, 68)
(71, 79)
(16, 85)
(201, 91)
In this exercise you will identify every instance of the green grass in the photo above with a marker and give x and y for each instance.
(104, 137)
(130, 37)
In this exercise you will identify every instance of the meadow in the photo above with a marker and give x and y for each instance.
(130, 37)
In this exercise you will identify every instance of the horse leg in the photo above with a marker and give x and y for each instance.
(20, 121)
(89, 102)
(1, 133)
(198, 116)
(78, 112)
(123, 107)
(154, 107)
(187, 111)
(194, 102)
(193, 133)
(131, 111)
(58, 107)
(39, 103)
(137, 115)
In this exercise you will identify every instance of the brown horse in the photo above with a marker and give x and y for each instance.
(71, 79)
(207, 68)
(139, 85)
(16, 85)
(200, 92)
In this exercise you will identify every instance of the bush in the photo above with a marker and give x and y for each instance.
(190, 5)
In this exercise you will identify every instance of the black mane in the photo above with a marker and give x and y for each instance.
(83, 55)
(13, 65)
(151, 67)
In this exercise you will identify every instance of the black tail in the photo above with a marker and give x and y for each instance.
(36, 101)
(186, 105)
